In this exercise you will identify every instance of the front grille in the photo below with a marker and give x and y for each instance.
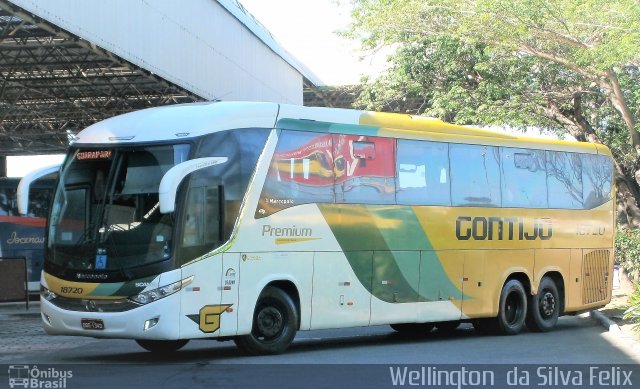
(595, 273)
(81, 305)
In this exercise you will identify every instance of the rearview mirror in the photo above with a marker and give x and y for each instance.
(25, 184)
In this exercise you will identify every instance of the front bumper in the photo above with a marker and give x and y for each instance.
(130, 324)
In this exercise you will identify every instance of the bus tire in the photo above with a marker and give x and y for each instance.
(447, 327)
(275, 322)
(512, 310)
(412, 329)
(162, 346)
(544, 307)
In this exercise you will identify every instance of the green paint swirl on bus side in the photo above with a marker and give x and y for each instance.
(389, 252)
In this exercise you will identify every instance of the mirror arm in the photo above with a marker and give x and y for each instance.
(174, 176)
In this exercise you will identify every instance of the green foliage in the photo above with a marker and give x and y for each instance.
(627, 249)
(551, 64)
(595, 34)
(471, 83)
(633, 311)
(506, 62)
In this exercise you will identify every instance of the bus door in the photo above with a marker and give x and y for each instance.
(202, 231)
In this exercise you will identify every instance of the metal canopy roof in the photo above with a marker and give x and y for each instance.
(53, 84)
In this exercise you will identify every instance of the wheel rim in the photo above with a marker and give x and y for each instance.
(269, 323)
(513, 308)
(547, 304)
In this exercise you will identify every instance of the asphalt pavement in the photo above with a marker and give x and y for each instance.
(21, 329)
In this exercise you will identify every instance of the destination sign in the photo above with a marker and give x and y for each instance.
(94, 154)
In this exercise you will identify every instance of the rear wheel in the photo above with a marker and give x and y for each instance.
(512, 312)
(513, 308)
(413, 329)
(544, 307)
(275, 322)
(162, 346)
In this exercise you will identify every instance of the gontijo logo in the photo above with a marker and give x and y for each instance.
(33, 377)
(503, 228)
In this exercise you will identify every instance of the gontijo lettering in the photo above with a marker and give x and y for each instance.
(499, 228)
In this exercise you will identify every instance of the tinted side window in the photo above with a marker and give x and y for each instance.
(202, 218)
(597, 176)
(364, 169)
(229, 180)
(242, 148)
(423, 173)
(301, 172)
(8, 203)
(524, 179)
(73, 225)
(39, 197)
(475, 175)
(39, 200)
(564, 180)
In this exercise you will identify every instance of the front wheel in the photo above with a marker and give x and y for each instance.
(275, 322)
(162, 346)
(544, 307)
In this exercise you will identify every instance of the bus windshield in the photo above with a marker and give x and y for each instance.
(105, 214)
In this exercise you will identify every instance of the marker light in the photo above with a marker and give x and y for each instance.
(47, 294)
(164, 291)
(151, 323)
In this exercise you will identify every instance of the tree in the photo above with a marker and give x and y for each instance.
(567, 65)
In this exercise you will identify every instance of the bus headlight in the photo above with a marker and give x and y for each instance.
(164, 291)
(47, 294)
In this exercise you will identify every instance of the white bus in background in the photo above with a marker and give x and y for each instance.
(22, 235)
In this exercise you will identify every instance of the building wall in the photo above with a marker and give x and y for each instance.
(196, 44)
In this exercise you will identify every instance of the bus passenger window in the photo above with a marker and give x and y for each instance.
(524, 181)
(564, 180)
(423, 173)
(597, 175)
(364, 169)
(475, 175)
(301, 172)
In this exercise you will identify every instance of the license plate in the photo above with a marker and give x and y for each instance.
(92, 324)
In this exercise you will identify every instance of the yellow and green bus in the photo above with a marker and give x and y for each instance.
(252, 221)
